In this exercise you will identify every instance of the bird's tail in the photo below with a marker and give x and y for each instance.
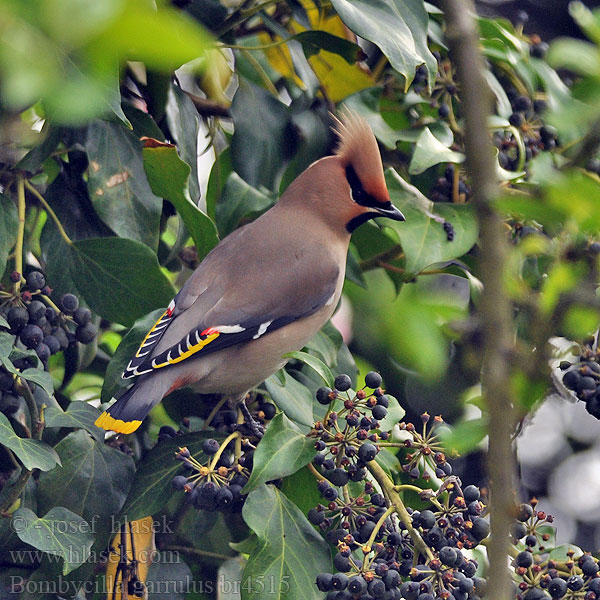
(132, 407)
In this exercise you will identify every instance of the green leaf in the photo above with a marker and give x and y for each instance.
(395, 413)
(185, 125)
(113, 382)
(422, 236)
(313, 41)
(59, 532)
(32, 453)
(9, 222)
(397, 27)
(465, 436)
(4, 322)
(117, 184)
(41, 378)
(239, 200)
(33, 160)
(260, 139)
(293, 398)
(169, 178)
(366, 104)
(283, 450)
(429, 151)
(315, 364)
(120, 279)
(92, 482)
(80, 415)
(301, 489)
(289, 554)
(151, 488)
(565, 552)
(168, 571)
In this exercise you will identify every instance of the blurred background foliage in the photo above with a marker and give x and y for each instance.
(240, 94)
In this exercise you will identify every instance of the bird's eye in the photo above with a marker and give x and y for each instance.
(358, 193)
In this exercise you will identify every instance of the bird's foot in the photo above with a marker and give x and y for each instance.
(250, 422)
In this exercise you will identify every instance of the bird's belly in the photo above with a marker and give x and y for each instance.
(237, 369)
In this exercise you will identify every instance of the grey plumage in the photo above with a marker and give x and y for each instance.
(265, 290)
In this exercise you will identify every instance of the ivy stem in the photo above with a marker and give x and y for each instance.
(15, 491)
(194, 552)
(369, 545)
(213, 412)
(52, 214)
(21, 229)
(238, 440)
(405, 487)
(261, 72)
(220, 451)
(316, 473)
(388, 485)
(375, 261)
(36, 424)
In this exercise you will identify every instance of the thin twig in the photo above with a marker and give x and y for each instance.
(49, 210)
(21, 229)
(388, 486)
(194, 552)
(495, 311)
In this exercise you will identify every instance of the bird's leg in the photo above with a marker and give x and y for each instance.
(255, 427)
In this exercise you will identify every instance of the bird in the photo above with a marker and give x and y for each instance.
(265, 289)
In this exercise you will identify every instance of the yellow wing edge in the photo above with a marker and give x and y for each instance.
(105, 421)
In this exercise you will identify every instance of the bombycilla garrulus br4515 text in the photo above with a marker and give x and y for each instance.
(265, 289)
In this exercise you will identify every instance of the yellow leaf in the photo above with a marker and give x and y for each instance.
(338, 78)
(141, 532)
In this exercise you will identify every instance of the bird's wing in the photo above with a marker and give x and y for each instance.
(211, 313)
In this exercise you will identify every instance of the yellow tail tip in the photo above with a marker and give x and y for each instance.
(105, 421)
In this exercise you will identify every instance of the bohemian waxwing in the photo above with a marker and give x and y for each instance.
(264, 290)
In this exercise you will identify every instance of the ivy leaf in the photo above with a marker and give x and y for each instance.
(119, 278)
(397, 27)
(317, 365)
(239, 200)
(289, 553)
(151, 487)
(113, 382)
(429, 151)
(283, 450)
(423, 238)
(117, 183)
(32, 453)
(260, 139)
(169, 178)
(9, 222)
(92, 482)
(59, 532)
(313, 41)
(293, 398)
(41, 378)
(80, 415)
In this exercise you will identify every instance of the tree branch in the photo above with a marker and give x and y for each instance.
(463, 39)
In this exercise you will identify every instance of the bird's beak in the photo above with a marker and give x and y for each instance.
(391, 212)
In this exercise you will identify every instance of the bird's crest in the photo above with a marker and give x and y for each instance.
(357, 148)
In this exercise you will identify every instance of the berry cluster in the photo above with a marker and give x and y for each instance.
(39, 326)
(347, 437)
(583, 378)
(383, 552)
(535, 135)
(537, 576)
(215, 484)
(422, 559)
(451, 187)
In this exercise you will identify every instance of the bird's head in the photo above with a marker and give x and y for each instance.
(366, 195)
